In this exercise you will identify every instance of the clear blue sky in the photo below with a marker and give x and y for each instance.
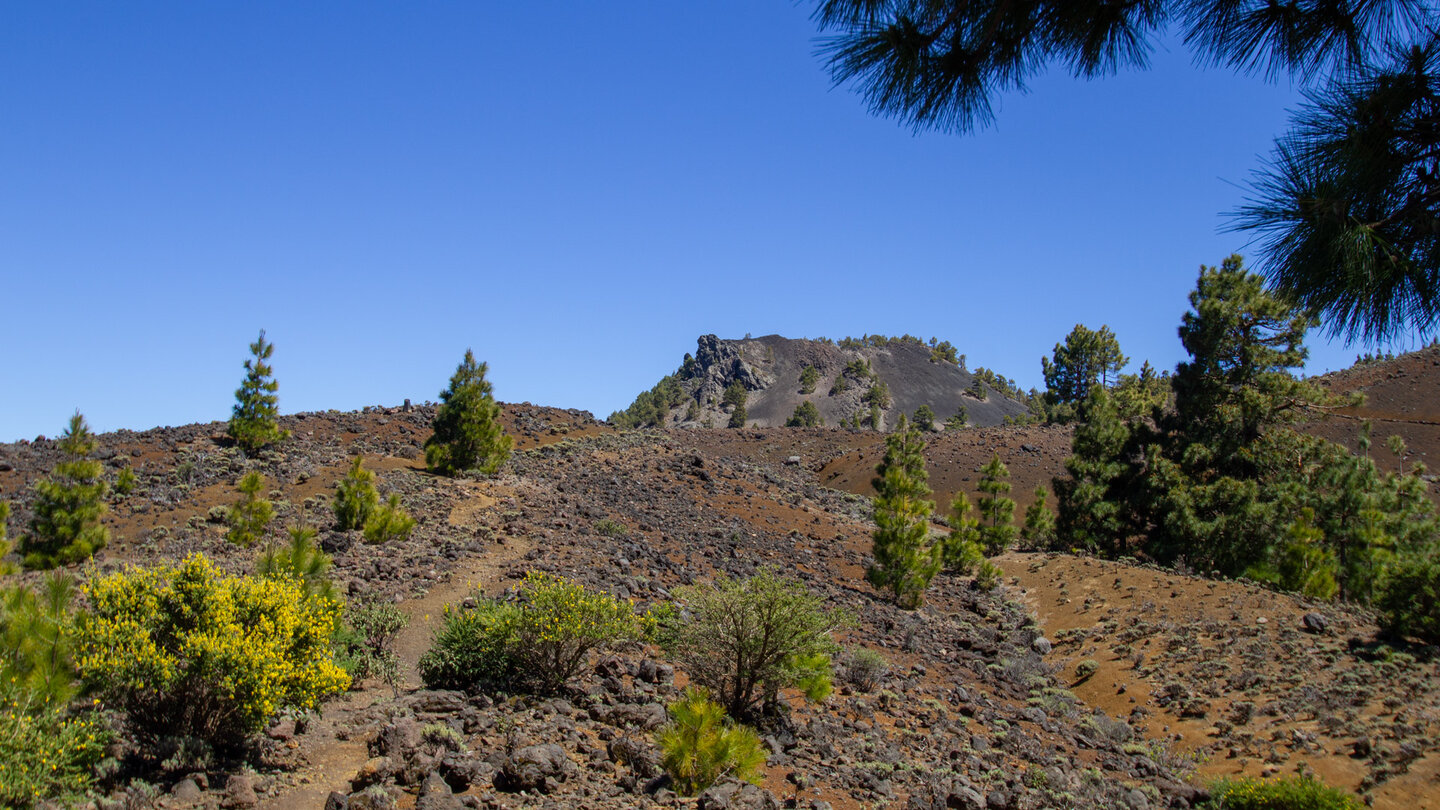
(574, 190)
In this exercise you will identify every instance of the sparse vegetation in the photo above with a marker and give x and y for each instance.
(68, 505)
(924, 418)
(253, 421)
(1039, 529)
(468, 434)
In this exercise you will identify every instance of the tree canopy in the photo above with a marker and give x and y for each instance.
(1347, 213)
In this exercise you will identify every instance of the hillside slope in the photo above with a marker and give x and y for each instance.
(770, 369)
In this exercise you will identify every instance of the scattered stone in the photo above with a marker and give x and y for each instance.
(733, 794)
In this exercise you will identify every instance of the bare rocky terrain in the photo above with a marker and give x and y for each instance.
(982, 706)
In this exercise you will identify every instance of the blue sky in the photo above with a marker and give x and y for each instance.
(576, 191)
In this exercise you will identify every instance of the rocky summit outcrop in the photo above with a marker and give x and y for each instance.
(771, 369)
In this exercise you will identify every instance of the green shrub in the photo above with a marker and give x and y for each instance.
(249, 517)
(1301, 793)
(925, 418)
(46, 751)
(187, 651)
(611, 528)
(700, 746)
(355, 497)
(1086, 669)
(471, 648)
(365, 643)
(68, 505)
(747, 640)
(536, 645)
(389, 522)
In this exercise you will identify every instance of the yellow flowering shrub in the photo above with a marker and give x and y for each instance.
(189, 651)
(537, 644)
(46, 752)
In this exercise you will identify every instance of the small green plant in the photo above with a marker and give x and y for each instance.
(355, 497)
(700, 745)
(1039, 529)
(68, 505)
(253, 423)
(36, 638)
(365, 642)
(1302, 793)
(959, 420)
(389, 522)
(864, 668)
(610, 528)
(187, 651)
(443, 737)
(252, 514)
(47, 752)
(997, 512)
(537, 644)
(302, 560)
(809, 376)
(1086, 669)
(125, 480)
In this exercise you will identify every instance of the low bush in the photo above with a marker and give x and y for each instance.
(700, 745)
(302, 560)
(864, 668)
(365, 643)
(187, 651)
(46, 751)
(1301, 793)
(535, 645)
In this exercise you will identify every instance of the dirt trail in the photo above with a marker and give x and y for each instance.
(332, 761)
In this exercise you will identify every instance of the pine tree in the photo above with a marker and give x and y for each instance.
(805, 415)
(252, 514)
(1039, 529)
(252, 422)
(1087, 358)
(963, 554)
(1094, 501)
(355, 497)
(468, 434)
(997, 512)
(925, 418)
(905, 558)
(68, 505)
